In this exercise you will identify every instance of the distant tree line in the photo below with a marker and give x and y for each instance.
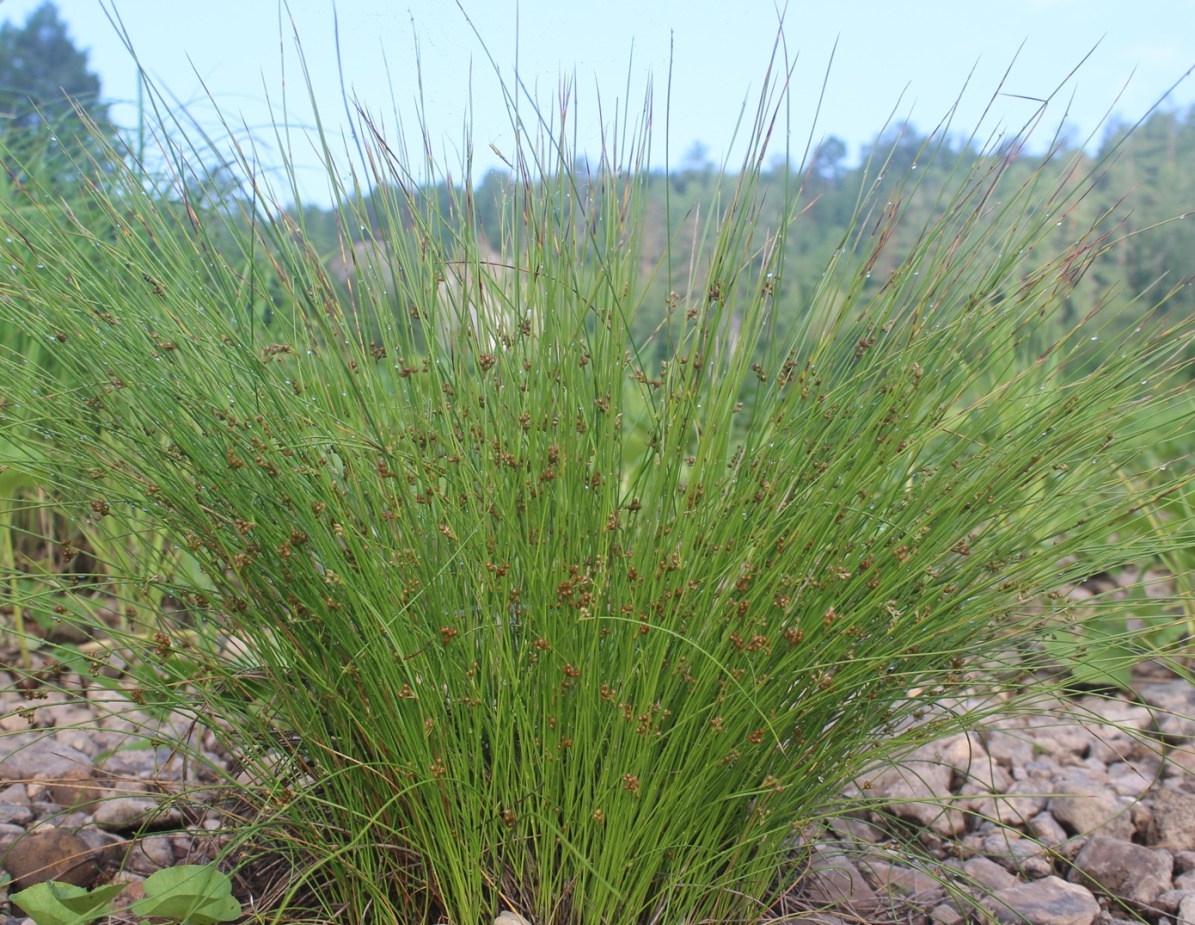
(45, 83)
(1146, 185)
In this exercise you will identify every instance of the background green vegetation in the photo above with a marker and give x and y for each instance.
(1155, 168)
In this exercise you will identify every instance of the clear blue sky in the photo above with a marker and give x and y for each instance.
(911, 57)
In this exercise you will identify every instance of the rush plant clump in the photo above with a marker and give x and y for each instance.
(506, 604)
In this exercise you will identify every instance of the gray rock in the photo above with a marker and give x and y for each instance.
(1131, 779)
(1180, 760)
(124, 813)
(898, 880)
(983, 776)
(1168, 902)
(988, 874)
(119, 714)
(1111, 714)
(1186, 910)
(1177, 696)
(45, 759)
(1131, 873)
(12, 722)
(945, 914)
(1172, 825)
(920, 794)
(82, 740)
(1174, 708)
(1142, 815)
(1021, 801)
(45, 809)
(1046, 830)
(1044, 769)
(15, 814)
(920, 787)
(850, 829)
(1061, 740)
(833, 881)
(136, 762)
(1035, 866)
(1122, 726)
(64, 714)
(1184, 861)
(15, 794)
(151, 854)
(1005, 843)
(1083, 806)
(1051, 901)
(1011, 748)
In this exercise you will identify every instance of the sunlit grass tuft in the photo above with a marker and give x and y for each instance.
(502, 606)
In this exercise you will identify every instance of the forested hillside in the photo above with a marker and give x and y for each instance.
(846, 212)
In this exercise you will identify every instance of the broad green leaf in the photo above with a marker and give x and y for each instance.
(56, 903)
(191, 893)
